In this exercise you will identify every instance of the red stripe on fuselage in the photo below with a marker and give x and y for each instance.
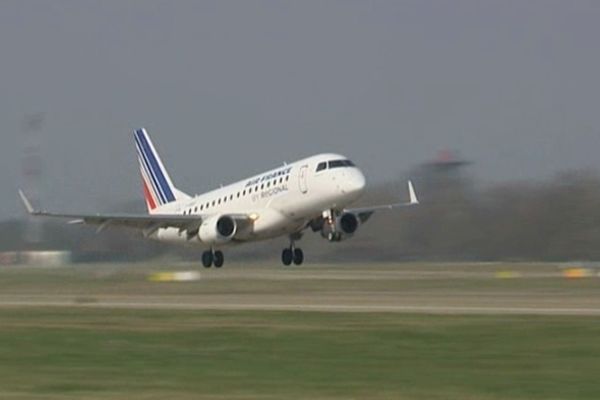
(149, 200)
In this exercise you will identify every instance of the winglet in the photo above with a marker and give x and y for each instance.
(412, 194)
(26, 202)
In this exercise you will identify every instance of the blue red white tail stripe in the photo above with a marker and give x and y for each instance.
(152, 200)
(148, 175)
(157, 185)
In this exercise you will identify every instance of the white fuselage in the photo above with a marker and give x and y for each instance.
(279, 202)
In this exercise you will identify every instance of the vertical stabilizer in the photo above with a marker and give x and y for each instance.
(157, 185)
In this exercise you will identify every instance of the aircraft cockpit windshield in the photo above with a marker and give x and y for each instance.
(334, 164)
(340, 163)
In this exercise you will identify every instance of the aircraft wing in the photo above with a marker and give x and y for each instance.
(365, 213)
(147, 223)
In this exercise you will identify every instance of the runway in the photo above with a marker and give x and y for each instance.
(434, 310)
(534, 289)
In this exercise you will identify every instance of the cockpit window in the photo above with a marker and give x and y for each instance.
(340, 163)
(321, 166)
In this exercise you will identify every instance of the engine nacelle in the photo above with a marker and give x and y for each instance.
(218, 229)
(343, 227)
(347, 223)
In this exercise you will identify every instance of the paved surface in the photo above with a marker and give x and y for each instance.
(142, 303)
(429, 289)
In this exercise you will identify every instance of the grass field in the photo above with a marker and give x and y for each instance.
(132, 354)
(96, 346)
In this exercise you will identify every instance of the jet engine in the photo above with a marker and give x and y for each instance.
(218, 229)
(342, 227)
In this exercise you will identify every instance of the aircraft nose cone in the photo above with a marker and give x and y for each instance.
(356, 183)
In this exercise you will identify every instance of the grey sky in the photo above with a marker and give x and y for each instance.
(230, 88)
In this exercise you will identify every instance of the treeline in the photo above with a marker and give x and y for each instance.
(553, 220)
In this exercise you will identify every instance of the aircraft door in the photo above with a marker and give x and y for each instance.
(302, 179)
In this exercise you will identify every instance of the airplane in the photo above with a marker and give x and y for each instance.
(313, 193)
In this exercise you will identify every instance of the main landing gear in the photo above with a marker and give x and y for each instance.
(210, 258)
(292, 254)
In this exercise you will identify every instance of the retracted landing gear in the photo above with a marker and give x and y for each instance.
(210, 258)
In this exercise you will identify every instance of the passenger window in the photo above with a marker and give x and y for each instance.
(238, 195)
(287, 178)
(196, 209)
(213, 203)
(244, 193)
(321, 166)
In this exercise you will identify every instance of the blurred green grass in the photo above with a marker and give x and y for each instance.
(81, 353)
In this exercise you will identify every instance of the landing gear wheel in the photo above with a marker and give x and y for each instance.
(298, 256)
(287, 256)
(207, 259)
(218, 259)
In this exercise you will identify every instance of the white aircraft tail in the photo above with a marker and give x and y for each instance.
(158, 187)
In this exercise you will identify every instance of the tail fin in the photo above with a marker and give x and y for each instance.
(157, 184)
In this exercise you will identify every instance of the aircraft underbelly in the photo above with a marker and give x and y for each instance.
(271, 223)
